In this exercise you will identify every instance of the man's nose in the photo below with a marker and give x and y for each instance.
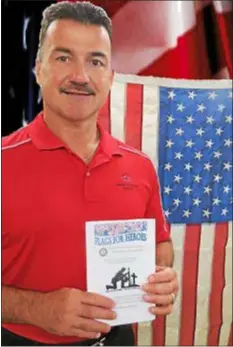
(79, 74)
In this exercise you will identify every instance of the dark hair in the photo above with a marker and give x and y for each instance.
(82, 12)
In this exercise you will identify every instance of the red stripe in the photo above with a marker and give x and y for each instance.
(217, 285)
(104, 115)
(159, 331)
(189, 285)
(134, 112)
(135, 331)
(230, 340)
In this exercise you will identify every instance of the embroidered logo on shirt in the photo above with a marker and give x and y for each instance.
(126, 182)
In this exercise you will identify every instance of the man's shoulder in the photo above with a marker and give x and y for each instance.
(16, 140)
(131, 151)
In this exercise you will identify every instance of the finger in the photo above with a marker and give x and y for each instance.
(95, 312)
(160, 288)
(165, 275)
(161, 310)
(86, 334)
(97, 300)
(90, 325)
(159, 299)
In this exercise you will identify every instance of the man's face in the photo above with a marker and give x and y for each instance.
(74, 72)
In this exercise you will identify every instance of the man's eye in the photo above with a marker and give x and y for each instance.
(62, 58)
(97, 62)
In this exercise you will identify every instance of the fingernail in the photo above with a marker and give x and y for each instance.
(151, 279)
(98, 335)
(146, 297)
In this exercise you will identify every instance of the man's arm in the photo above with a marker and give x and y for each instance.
(164, 254)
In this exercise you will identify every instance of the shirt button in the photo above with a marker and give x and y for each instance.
(88, 173)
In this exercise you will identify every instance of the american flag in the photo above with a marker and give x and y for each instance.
(185, 127)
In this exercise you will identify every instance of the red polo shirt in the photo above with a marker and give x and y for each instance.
(48, 193)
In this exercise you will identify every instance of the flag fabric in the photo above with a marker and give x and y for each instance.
(177, 39)
(185, 127)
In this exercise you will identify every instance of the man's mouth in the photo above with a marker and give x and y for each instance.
(76, 93)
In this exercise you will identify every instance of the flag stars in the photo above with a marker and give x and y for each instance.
(170, 119)
(171, 94)
(197, 178)
(228, 119)
(217, 178)
(207, 190)
(186, 213)
(216, 201)
(226, 189)
(187, 190)
(200, 132)
(179, 131)
(207, 166)
(192, 95)
(217, 154)
(201, 108)
(212, 95)
(209, 143)
(209, 120)
(196, 202)
(219, 131)
(189, 119)
(227, 166)
(168, 167)
(167, 213)
(178, 155)
(221, 107)
(180, 107)
(227, 143)
(167, 190)
(198, 155)
(177, 202)
(224, 212)
(189, 143)
(177, 178)
(187, 167)
(230, 94)
(206, 213)
(169, 143)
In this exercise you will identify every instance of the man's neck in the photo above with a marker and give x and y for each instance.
(81, 137)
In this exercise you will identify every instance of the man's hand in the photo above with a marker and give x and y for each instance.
(161, 290)
(71, 312)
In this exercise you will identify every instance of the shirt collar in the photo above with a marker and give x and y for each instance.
(44, 139)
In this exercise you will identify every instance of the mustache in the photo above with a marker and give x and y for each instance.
(77, 87)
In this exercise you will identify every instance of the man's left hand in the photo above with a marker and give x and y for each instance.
(161, 290)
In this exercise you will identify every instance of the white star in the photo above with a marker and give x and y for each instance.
(216, 201)
(180, 107)
(206, 213)
(190, 119)
(176, 202)
(227, 166)
(169, 143)
(171, 95)
(217, 178)
(210, 119)
(178, 155)
(167, 190)
(219, 131)
(186, 213)
(187, 167)
(226, 189)
(197, 178)
(212, 95)
(189, 143)
(217, 154)
(167, 213)
(198, 155)
(230, 94)
(179, 131)
(200, 132)
(228, 119)
(196, 202)
(168, 167)
(209, 143)
(207, 190)
(201, 108)
(170, 119)
(192, 95)
(224, 212)
(187, 190)
(221, 107)
(207, 166)
(177, 178)
(227, 143)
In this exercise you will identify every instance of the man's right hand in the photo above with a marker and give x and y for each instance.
(72, 312)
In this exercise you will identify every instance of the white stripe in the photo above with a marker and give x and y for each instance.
(223, 6)
(145, 334)
(173, 320)
(150, 123)
(204, 282)
(117, 110)
(227, 292)
(16, 144)
(172, 82)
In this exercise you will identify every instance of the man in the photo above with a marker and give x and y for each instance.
(60, 171)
